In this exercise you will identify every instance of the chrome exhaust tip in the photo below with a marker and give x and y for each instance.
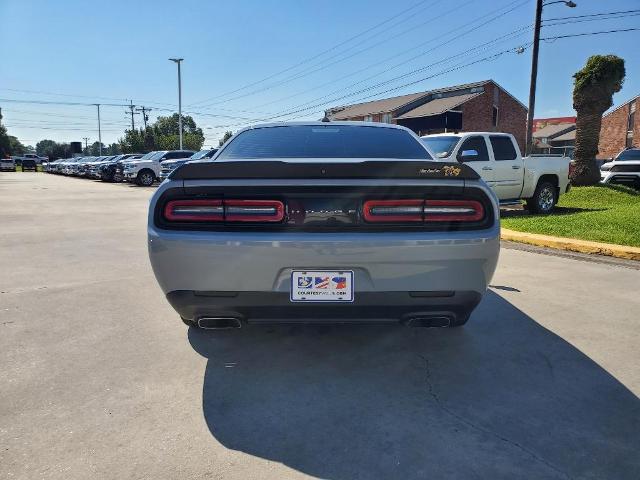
(439, 321)
(219, 323)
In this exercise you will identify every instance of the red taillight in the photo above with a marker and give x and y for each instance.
(394, 211)
(224, 211)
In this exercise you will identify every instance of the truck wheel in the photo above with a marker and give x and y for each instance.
(145, 178)
(544, 198)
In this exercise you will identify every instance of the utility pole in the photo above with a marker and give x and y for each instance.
(145, 117)
(131, 105)
(534, 69)
(86, 144)
(99, 131)
(178, 61)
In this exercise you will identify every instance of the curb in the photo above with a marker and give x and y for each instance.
(572, 244)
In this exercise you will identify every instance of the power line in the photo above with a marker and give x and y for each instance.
(545, 23)
(507, 36)
(593, 15)
(309, 59)
(40, 92)
(322, 65)
(590, 33)
(510, 7)
(451, 69)
(47, 102)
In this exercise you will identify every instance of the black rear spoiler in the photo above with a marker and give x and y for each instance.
(278, 169)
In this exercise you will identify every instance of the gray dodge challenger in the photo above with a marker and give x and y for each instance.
(323, 222)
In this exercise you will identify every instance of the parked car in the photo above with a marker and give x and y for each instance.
(111, 171)
(29, 164)
(69, 166)
(31, 156)
(84, 163)
(324, 222)
(624, 169)
(169, 166)
(7, 164)
(496, 157)
(50, 167)
(95, 169)
(145, 172)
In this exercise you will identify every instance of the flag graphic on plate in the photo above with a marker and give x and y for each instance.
(340, 282)
(305, 282)
(322, 282)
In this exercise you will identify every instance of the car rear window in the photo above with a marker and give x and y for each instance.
(324, 141)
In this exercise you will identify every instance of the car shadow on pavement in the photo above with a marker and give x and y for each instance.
(502, 397)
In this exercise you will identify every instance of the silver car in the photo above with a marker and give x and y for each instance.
(323, 222)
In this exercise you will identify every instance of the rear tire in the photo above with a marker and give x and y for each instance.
(544, 198)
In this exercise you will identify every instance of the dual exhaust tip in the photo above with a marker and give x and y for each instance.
(228, 323)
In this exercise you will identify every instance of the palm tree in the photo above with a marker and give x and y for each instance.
(593, 91)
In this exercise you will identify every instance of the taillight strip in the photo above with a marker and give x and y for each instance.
(253, 210)
(377, 211)
(453, 211)
(414, 210)
(224, 210)
(194, 211)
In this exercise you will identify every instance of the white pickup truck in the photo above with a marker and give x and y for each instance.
(496, 157)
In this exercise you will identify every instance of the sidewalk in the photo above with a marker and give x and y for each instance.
(572, 244)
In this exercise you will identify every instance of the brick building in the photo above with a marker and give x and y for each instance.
(620, 129)
(479, 106)
(554, 135)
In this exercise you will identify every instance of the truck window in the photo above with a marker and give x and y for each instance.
(479, 145)
(503, 148)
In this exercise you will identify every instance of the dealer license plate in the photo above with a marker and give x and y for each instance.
(321, 286)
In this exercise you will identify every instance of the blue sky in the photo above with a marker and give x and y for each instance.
(111, 52)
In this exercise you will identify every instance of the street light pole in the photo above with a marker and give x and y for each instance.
(534, 69)
(178, 61)
(99, 132)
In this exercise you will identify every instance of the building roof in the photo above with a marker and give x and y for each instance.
(439, 105)
(553, 130)
(621, 105)
(391, 104)
(570, 135)
(378, 106)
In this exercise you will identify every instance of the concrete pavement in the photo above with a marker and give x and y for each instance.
(100, 379)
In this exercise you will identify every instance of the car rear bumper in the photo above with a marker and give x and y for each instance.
(253, 271)
(367, 307)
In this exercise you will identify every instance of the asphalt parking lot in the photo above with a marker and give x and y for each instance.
(100, 379)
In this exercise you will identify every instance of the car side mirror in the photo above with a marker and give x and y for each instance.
(467, 155)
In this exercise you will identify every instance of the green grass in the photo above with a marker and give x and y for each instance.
(602, 213)
(19, 168)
